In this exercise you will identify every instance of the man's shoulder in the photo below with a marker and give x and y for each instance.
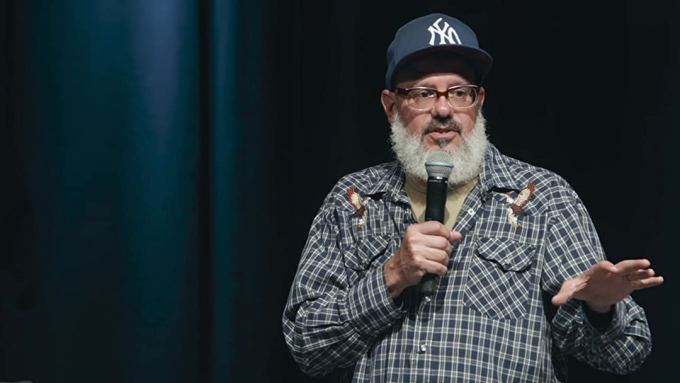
(525, 172)
(367, 181)
(549, 186)
(370, 177)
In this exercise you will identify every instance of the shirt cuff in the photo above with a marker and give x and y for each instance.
(600, 321)
(370, 307)
(611, 332)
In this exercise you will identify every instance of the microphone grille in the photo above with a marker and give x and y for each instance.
(439, 164)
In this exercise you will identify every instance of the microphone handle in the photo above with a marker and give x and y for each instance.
(435, 210)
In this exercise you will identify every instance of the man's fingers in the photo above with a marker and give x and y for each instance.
(640, 274)
(437, 242)
(432, 267)
(647, 283)
(561, 298)
(607, 266)
(436, 255)
(455, 236)
(630, 265)
(568, 290)
(433, 228)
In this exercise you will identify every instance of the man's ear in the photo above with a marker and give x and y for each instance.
(481, 97)
(389, 103)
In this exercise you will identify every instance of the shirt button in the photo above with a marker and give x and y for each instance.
(471, 212)
(423, 348)
(428, 299)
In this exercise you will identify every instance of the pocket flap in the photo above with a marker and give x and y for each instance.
(508, 254)
(367, 250)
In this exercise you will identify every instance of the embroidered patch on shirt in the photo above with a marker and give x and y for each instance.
(359, 205)
(516, 204)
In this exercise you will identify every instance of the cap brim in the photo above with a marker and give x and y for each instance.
(479, 59)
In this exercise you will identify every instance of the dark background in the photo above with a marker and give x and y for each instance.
(161, 162)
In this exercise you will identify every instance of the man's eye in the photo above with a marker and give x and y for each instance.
(423, 94)
(458, 93)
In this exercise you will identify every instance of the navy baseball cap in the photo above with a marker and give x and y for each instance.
(433, 33)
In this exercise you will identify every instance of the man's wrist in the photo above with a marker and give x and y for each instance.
(599, 320)
(393, 280)
(600, 309)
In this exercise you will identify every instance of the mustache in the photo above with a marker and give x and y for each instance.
(449, 124)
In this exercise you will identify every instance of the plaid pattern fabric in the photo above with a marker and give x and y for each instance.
(486, 321)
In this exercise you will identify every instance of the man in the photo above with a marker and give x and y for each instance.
(520, 234)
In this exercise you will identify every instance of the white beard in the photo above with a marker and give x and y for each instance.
(467, 158)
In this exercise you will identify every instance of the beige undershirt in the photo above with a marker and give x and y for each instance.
(454, 200)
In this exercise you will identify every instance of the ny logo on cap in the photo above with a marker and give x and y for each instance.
(446, 34)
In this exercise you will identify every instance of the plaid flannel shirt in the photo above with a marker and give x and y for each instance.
(487, 320)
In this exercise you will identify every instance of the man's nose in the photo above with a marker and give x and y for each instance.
(442, 108)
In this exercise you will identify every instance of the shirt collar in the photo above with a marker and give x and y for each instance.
(497, 172)
(391, 184)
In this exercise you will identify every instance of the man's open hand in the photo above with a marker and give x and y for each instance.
(605, 284)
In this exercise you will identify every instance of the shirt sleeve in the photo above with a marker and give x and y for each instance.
(572, 248)
(330, 322)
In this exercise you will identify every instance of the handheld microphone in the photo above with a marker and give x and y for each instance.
(438, 165)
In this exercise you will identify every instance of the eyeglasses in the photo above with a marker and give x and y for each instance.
(422, 98)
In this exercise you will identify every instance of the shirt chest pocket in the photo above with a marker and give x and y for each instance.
(368, 253)
(500, 278)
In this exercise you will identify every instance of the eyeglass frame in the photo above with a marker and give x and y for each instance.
(404, 92)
